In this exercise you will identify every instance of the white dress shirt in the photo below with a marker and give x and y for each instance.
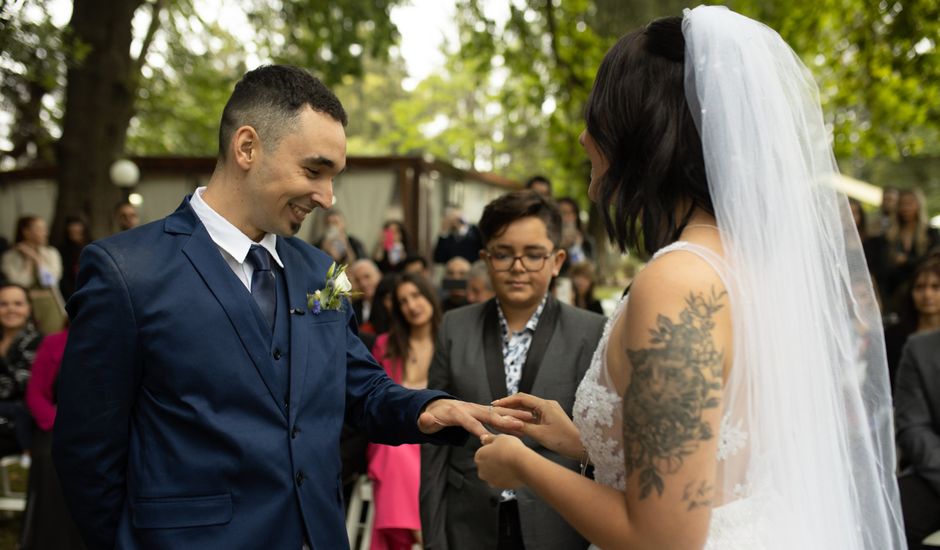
(232, 243)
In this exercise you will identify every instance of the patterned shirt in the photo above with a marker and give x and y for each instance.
(515, 350)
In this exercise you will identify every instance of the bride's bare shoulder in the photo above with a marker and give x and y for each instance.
(674, 275)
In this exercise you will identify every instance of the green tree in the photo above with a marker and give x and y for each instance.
(878, 70)
(32, 68)
(109, 90)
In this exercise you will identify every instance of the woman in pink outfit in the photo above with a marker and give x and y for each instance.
(405, 351)
(47, 523)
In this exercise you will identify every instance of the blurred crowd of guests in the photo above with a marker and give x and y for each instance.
(903, 254)
(478, 302)
(36, 279)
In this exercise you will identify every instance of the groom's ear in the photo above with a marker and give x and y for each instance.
(246, 147)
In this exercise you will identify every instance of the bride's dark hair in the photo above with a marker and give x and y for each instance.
(638, 116)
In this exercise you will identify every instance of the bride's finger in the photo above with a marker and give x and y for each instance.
(521, 414)
(520, 401)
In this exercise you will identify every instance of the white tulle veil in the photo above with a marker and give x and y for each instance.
(809, 385)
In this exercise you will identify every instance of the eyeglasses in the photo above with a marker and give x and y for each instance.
(501, 261)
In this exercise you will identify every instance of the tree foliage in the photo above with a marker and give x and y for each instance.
(32, 69)
(509, 97)
(878, 68)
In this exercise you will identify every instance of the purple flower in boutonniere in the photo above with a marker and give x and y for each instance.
(330, 297)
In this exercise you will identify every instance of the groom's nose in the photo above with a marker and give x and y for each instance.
(323, 195)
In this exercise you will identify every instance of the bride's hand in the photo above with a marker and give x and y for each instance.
(550, 425)
(498, 460)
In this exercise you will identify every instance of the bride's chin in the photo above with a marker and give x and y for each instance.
(592, 191)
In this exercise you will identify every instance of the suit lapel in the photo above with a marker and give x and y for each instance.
(235, 299)
(493, 351)
(297, 298)
(540, 340)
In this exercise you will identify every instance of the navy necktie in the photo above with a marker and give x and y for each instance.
(262, 282)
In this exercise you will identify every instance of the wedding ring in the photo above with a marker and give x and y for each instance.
(536, 416)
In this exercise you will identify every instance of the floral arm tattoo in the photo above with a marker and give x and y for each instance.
(675, 379)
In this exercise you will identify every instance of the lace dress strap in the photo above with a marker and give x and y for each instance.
(710, 257)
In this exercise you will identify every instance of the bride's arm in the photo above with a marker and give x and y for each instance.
(670, 371)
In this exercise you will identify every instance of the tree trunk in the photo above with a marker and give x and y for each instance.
(99, 103)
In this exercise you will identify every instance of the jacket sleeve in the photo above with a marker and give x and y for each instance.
(434, 458)
(385, 410)
(917, 439)
(97, 387)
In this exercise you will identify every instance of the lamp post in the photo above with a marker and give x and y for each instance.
(124, 174)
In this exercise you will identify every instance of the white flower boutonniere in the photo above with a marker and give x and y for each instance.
(331, 296)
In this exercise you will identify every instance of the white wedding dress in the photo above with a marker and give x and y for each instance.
(597, 413)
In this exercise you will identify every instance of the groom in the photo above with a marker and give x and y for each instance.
(200, 399)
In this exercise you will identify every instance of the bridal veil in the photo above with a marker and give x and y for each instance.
(809, 389)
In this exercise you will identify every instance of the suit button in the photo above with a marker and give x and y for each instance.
(300, 478)
(294, 432)
(286, 402)
(277, 354)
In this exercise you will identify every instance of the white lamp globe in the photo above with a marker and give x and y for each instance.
(124, 173)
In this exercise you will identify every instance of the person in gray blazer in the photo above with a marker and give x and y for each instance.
(917, 411)
(524, 340)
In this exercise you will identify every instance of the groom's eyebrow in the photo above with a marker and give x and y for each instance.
(320, 161)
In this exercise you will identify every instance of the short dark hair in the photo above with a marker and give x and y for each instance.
(638, 116)
(538, 178)
(121, 204)
(508, 208)
(414, 258)
(269, 100)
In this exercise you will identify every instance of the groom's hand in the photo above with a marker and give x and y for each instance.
(442, 413)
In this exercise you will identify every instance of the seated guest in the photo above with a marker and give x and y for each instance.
(341, 246)
(364, 276)
(479, 288)
(582, 282)
(126, 216)
(18, 343)
(457, 238)
(416, 264)
(577, 243)
(526, 341)
(917, 409)
(919, 312)
(909, 239)
(36, 266)
(454, 283)
(70, 248)
(405, 352)
(540, 184)
(392, 247)
(47, 522)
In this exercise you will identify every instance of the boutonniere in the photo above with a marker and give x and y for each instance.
(330, 297)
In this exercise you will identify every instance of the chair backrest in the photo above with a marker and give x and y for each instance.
(359, 528)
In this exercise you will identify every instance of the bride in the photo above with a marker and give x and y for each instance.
(739, 399)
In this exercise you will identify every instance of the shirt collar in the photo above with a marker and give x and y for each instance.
(228, 237)
(532, 323)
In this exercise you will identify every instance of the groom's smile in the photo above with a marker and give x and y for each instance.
(295, 175)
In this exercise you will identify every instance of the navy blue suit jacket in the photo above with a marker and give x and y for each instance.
(168, 432)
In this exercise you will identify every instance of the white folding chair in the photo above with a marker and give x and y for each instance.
(932, 540)
(10, 500)
(358, 530)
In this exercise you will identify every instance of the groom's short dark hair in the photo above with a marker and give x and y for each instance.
(511, 207)
(269, 100)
